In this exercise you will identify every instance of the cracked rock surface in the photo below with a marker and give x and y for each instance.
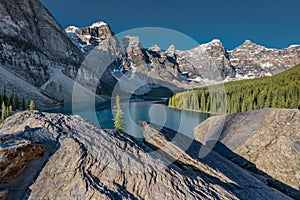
(81, 161)
(268, 138)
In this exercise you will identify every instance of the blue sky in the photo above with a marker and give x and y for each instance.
(273, 23)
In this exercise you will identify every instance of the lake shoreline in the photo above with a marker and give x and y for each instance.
(139, 110)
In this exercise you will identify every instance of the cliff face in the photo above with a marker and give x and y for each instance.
(81, 161)
(252, 60)
(31, 42)
(32, 45)
(119, 57)
(268, 138)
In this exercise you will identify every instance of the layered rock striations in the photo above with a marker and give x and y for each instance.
(32, 44)
(267, 138)
(81, 161)
(252, 60)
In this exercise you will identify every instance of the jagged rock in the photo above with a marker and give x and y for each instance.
(132, 43)
(99, 31)
(14, 155)
(207, 61)
(126, 57)
(104, 56)
(82, 161)
(252, 60)
(206, 64)
(90, 37)
(269, 138)
(31, 44)
(134, 52)
(171, 51)
(155, 48)
(3, 194)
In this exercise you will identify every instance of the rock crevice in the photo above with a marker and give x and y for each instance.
(82, 161)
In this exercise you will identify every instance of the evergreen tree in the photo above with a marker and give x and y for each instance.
(279, 91)
(4, 112)
(202, 102)
(4, 96)
(7, 111)
(31, 105)
(15, 102)
(118, 119)
(23, 104)
(10, 110)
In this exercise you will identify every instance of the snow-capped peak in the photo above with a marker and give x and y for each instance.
(248, 42)
(215, 41)
(71, 29)
(171, 48)
(209, 45)
(155, 48)
(98, 24)
(294, 45)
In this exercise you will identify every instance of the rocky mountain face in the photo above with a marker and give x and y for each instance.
(33, 47)
(88, 38)
(32, 43)
(206, 64)
(252, 60)
(66, 156)
(267, 138)
(125, 55)
(207, 61)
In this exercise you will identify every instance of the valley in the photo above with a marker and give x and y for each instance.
(88, 113)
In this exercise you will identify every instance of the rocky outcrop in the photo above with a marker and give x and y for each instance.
(31, 42)
(90, 37)
(251, 60)
(14, 156)
(268, 138)
(110, 60)
(81, 161)
(11, 82)
(103, 56)
(207, 61)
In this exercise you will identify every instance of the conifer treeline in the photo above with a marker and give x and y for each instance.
(279, 91)
(11, 103)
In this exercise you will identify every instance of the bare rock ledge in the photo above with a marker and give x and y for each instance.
(81, 161)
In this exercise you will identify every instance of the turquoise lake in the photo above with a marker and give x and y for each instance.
(153, 111)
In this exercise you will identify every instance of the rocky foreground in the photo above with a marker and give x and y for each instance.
(52, 156)
(269, 139)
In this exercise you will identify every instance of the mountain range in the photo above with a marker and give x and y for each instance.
(39, 60)
(206, 64)
(55, 156)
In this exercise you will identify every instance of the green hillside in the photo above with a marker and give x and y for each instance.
(278, 91)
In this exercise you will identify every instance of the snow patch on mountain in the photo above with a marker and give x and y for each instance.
(294, 46)
(266, 65)
(98, 24)
(209, 61)
(71, 29)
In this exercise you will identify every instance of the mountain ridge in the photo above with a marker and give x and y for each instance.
(207, 63)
